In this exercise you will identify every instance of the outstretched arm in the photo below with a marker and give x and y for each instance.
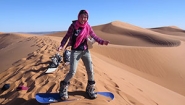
(97, 39)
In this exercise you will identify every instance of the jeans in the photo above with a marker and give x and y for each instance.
(74, 59)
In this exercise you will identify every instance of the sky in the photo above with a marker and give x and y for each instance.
(57, 15)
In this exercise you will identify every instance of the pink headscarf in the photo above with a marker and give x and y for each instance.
(85, 29)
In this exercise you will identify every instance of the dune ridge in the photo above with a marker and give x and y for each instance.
(129, 30)
(169, 31)
(136, 70)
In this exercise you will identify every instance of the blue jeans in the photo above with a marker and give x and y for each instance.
(86, 58)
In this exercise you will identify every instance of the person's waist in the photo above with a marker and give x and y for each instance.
(79, 49)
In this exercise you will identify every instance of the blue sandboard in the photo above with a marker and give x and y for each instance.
(107, 94)
(55, 97)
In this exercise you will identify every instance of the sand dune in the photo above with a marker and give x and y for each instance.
(140, 66)
(173, 32)
(13, 47)
(136, 36)
(151, 63)
(170, 30)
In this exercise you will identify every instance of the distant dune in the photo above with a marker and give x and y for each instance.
(169, 30)
(39, 33)
(140, 66)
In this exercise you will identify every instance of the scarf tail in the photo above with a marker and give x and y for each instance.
(82, 35)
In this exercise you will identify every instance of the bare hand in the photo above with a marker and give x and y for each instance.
(59, 49)
(106, 42)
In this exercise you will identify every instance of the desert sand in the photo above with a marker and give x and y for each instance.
(140, 66)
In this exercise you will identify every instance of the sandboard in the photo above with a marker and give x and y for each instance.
(50, 70)
(46, 98)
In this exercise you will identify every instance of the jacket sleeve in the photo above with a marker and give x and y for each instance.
(95, 37)
(67, 36)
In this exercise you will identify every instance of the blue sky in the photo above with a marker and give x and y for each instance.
(56, 15)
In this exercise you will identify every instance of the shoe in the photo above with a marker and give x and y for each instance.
(54, 63)
(63, 90)
(90, 90)
(5, 87)
(59, 57)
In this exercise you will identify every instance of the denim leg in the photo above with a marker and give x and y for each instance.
(74, 58)
(86, 58)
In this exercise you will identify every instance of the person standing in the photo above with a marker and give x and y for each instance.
(78, 33)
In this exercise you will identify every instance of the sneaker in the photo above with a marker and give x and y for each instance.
(90, 90)
(63, 90)
(59, 57)
(54, 62)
